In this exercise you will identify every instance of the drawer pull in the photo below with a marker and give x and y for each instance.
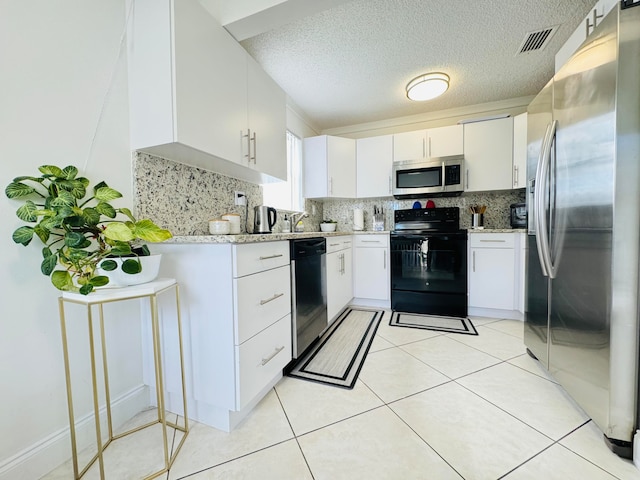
(271, 256)
(370, 241)
(493, 241)
(334, 244)
(271, 357)
(277, 295)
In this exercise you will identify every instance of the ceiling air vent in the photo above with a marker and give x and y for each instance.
(536, 41)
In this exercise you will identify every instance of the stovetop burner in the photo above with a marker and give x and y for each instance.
(423, 220)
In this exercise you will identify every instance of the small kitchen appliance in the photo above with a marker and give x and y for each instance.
(518, 216)
(436, 177)
(264, 218)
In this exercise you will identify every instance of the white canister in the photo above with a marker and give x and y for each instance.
(217, 226)
(234, 222)
(358, 219)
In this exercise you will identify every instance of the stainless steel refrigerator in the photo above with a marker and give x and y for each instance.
(583, 203)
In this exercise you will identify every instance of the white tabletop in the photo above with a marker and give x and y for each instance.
(111, 294)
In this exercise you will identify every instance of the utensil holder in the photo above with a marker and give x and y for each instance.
(378, 222)
(477, 220)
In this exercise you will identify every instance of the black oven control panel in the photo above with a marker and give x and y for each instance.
(446, 219)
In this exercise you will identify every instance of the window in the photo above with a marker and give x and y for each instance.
(287, 195)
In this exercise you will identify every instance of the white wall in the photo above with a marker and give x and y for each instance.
(58, 59)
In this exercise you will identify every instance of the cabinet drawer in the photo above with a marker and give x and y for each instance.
(260, 359)
(257, 257)
(371, 240)
(491, 240)
(338, 243)
(260, 300)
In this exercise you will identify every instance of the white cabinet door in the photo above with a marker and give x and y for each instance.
(178, 93)
(488, 152)
(584, 29)
(492, 271)
(334, 272)
(329, 167)
(267, 123)
(409, 145)
(520, 150)
(371, 274)
(374, 161)
(445, 141)
(339, 282)
(190, 84)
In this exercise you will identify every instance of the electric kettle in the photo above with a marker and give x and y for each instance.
(264, 218)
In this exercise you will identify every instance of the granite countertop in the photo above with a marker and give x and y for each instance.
(269, 237)
(497, 230)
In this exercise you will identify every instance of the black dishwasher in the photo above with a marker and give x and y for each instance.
(308, 292)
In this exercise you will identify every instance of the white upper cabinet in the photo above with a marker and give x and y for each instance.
(196, 95)
(432, 143)
(329, 167)
(445, 141)
(520, 150)
(585, 28)
(267, 123)
(374, 162)
(488, 154)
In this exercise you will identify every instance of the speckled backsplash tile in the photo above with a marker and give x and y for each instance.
(495, 216)
(183, 198)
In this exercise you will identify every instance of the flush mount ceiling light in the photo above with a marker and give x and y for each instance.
(427, 86)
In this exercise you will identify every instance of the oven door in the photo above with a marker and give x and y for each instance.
(429, 273)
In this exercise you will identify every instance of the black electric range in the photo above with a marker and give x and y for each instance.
(429, 262)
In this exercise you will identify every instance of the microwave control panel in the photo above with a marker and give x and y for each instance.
(452, 175)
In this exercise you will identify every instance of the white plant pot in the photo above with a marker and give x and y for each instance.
(328, 227)
(119, 278)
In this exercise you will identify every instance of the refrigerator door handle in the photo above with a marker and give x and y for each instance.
(543, 231)
(538, 200)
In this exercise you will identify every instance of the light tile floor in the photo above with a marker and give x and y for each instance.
(426, 406)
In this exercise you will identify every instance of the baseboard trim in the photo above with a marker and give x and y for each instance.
(55, 449)
(493, 313)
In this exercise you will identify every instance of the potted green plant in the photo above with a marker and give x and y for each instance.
(82, 237)
(328, 225)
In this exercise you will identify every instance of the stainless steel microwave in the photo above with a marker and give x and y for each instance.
(434, 177)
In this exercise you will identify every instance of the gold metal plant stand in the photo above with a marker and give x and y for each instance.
(99, 298)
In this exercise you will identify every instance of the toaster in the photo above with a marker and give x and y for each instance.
(518, 217)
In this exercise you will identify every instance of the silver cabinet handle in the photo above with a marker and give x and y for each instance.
(474, 260)
(424, 147)
(271, 357)
(272, 256)
(277, 295)
(515, 176)
(370, 241)
(253, 139)
(390, 188)
(334, 244)
(342, 263)
(331, 186)
(384, 259)
(429, 147)
(467, 178)
(493, 241)
(248, 137)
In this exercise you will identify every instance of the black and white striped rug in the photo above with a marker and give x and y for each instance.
(337, 357)
(431, 322)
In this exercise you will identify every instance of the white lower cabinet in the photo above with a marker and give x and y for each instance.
(495, 274)
(371, 267)
(236, 315)
(339, 275)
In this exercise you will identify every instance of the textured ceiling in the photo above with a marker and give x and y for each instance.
(350, 64)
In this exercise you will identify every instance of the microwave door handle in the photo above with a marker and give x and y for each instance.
(443, 176)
